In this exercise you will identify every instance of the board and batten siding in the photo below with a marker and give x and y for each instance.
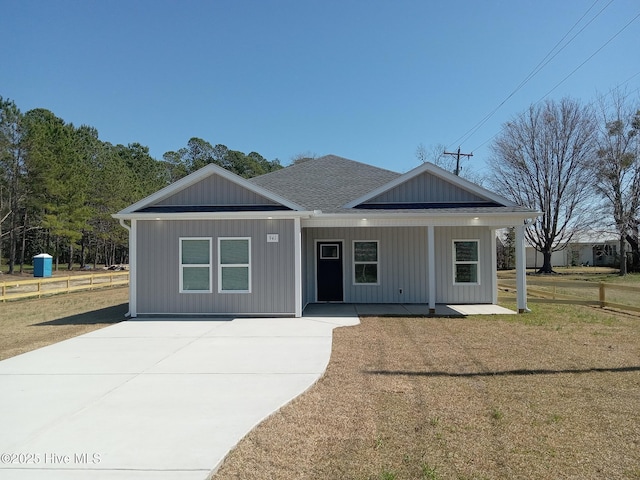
(446, 291)
(272, 267)
(215, 190)
(402, 264)
(426, 188)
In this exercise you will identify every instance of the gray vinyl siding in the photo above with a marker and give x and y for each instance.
(426, 188)
(272, 268)
(402, 264)
(446, 291)
(215, 190)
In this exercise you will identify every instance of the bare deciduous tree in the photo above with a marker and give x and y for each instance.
(617, 169)
(540, 160)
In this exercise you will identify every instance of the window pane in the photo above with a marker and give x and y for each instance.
(466, 251)
(235, 278)
(366, 252)
(195, 251)
(234, 251)
(195, 278)
(366, 272)
(466, 273)
(329, 252)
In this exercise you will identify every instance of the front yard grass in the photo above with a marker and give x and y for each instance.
(551, 394)
(33, 323)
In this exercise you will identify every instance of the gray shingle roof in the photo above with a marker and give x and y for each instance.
(326, 183)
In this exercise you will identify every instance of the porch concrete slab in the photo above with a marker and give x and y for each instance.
(406, 309)
(153, 400)
(418, 309)
(368, 309)
(330, 310)
(480, 309)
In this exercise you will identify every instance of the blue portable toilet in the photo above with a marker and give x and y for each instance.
(42, 265)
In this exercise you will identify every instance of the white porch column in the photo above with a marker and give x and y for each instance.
(431, 267)
(521, 271)
(494, 267)
(297, 232)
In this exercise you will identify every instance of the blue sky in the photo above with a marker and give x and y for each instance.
(369, 80)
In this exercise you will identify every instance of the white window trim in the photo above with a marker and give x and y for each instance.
(221, 266)
(191, 265)
(322, 257)
(466, 262)
(377, 262)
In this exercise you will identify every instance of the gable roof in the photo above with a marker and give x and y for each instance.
(158, 201)
(426, 176)
(325, 183)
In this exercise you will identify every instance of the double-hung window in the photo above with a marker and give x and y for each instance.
(195, 265)
(466, 263)
(365, 262)
(234, 265)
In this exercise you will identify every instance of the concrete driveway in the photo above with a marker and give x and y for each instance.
(153, 399)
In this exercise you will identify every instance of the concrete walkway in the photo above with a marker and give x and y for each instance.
(153, 399)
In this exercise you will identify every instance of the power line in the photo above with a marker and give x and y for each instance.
(544, 62)
(590, 57)
(589, 104)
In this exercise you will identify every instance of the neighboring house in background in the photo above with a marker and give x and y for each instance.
(600, 251)
(324, 230)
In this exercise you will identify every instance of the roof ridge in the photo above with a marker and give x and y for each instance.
(317, 159)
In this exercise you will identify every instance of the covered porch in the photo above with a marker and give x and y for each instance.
(401, 310)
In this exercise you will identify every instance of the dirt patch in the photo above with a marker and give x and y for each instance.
(553, 394)
(29, 324)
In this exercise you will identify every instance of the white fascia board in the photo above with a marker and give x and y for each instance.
(212, 215)
(438, 172)
(411, 219)
(200, 174)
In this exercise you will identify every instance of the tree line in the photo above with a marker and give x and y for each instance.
(60, 184)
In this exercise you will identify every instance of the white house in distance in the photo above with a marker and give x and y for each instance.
(591, 249)
(324, 230)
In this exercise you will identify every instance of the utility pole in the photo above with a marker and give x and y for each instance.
(458, 155)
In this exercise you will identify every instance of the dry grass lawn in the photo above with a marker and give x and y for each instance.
(29, 324)
(550, 395)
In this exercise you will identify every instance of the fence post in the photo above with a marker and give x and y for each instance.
(602, 300)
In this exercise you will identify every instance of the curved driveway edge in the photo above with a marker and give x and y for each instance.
(153, 399)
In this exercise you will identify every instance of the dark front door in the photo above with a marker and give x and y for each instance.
(329, 272)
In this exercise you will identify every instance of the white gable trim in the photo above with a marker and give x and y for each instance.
(438, 172)
(195, 177)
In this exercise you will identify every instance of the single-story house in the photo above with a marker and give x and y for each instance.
(324, 230)
(600, 251)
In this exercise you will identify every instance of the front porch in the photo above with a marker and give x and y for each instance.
(400, 310)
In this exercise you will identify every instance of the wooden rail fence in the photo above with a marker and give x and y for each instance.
(552, 295)
(17, 288)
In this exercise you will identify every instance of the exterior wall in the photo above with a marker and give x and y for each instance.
(402, 258)
(446, 291)
(535, 258)
(215, 190)
(403, 264)
(272, 268)
(426, 188)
